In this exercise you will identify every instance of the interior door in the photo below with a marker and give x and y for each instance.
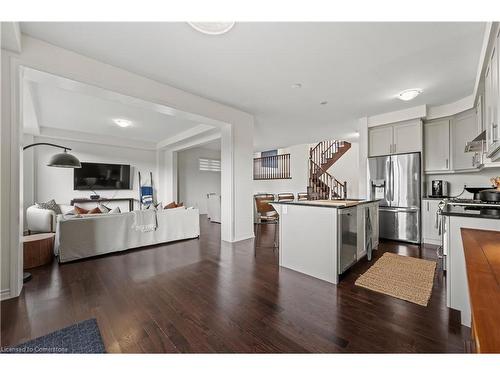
(405, 170)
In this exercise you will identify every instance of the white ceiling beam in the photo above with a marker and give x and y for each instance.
(83, 88)
(197, 141)
(190, 133)
(11, 37)
(77, 136)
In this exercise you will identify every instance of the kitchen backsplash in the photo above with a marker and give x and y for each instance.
(457, 181)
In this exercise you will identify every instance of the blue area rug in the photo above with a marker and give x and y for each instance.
(82, 337)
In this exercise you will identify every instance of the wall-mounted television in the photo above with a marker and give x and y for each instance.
(100, 176)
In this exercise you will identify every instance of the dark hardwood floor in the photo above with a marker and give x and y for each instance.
(205, 296)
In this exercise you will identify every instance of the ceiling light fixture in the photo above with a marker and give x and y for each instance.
(409, 94)
(212, 28)
(122, 123)
(297, 86)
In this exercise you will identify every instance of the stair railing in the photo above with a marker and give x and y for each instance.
(323, 185)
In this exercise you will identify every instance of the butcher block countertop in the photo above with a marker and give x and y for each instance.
(482, 260)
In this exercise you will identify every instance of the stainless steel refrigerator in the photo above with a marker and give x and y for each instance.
(395, 180)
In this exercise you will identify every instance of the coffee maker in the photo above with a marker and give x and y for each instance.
(439, 189)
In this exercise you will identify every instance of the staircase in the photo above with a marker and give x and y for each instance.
(322, 185)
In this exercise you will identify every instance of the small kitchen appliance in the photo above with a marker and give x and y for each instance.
(439, 189)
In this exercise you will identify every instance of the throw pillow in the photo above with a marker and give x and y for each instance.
(80, 210)
(115, 210)
(104, 209)
(50, 205)
(95, 210)
(170, 205)
(180, 204)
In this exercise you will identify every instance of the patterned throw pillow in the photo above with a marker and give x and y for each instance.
(115, 210)
(170, 205)
(80, 210)
(50, 205)
(95, 210)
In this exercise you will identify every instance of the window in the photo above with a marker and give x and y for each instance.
(268, 162)
(211, 165)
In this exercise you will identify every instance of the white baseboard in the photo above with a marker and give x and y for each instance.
(244, 237)
(4, 294)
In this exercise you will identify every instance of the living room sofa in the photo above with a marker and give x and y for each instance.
(43, 220)
(91, 235)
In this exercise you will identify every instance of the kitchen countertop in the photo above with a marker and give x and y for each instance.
(482, 260)
(464, 211)
(340, 203)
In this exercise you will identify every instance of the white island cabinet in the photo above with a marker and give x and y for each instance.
(456, 218)
(321, 238)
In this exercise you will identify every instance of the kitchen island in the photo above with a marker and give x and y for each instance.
(323, 238)
(455, 218)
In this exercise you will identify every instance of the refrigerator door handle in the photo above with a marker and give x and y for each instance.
(392, 181)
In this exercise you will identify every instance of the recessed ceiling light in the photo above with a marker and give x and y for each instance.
(297, 86)
(409, 94)
(324, 102)
(122, 123)
(212, 28)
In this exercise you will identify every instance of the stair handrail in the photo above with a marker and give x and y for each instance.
(342, 186)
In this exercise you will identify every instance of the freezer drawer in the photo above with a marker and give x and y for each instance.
(400, 224)
(348, 238)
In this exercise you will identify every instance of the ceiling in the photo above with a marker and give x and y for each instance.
(357, 67)
(57, 108)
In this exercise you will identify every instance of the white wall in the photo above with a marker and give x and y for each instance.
(236, 140)
(28, 180)
(57, 183)
(193, 184)
(345, 169)
(457, 180)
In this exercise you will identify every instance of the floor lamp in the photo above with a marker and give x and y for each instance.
(60, 160)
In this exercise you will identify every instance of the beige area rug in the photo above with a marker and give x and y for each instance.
(403, 277)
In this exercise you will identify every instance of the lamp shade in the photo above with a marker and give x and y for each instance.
(64, 160)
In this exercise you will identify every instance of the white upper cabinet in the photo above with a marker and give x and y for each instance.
(437, 146)
(408, 137)
(463, 129)
(492, 101)
(380, 140)
(395, 138)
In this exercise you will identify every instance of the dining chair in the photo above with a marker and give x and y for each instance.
(266, 214)
(302, 196)
(286, 197)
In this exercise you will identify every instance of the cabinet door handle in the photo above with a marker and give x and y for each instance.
(427, 205)
(446, 163)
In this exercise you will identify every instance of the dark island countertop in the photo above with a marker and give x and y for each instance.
(484, 213)
(333, 203)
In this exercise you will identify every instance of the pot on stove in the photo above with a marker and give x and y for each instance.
(490, 195)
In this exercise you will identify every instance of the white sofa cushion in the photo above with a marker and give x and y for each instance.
(82, 237)
(44, 220)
